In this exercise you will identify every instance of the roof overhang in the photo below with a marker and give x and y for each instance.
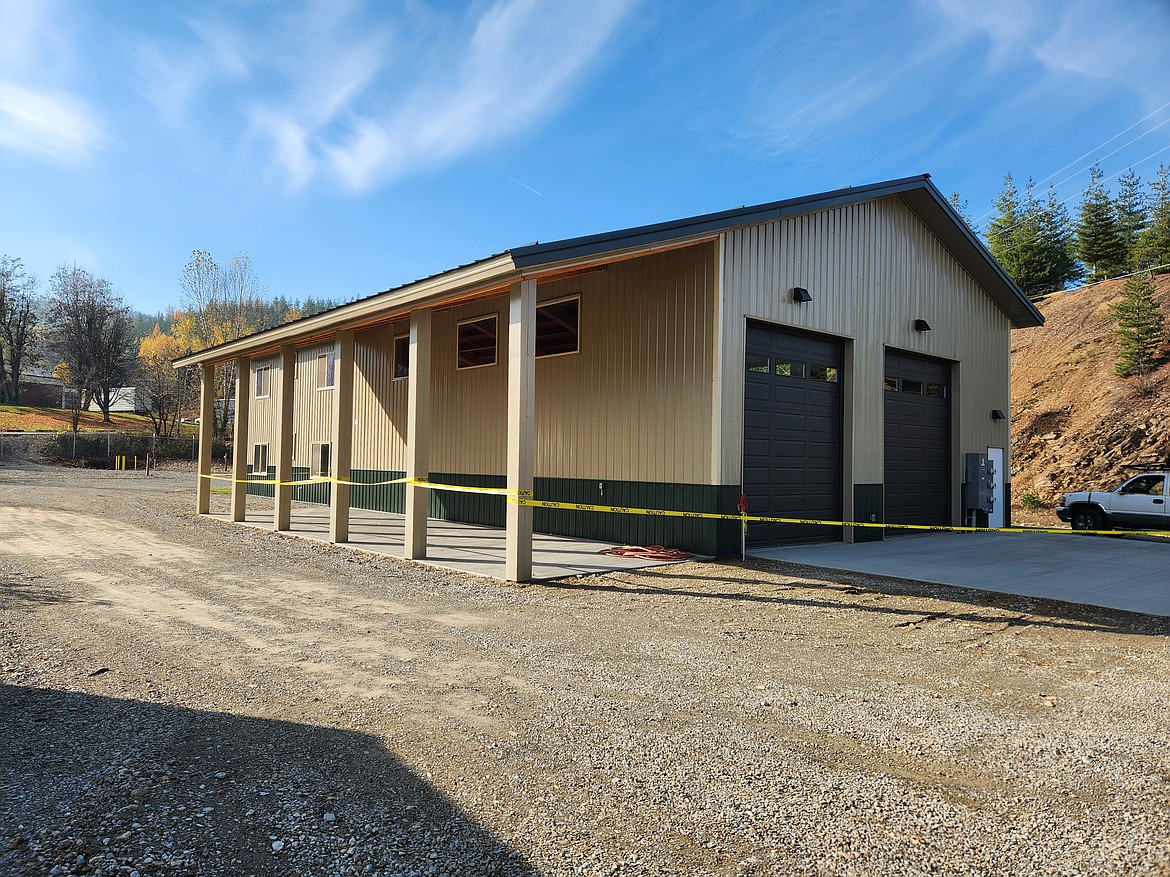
(558, 258)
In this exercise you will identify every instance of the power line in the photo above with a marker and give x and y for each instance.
(1093, 150)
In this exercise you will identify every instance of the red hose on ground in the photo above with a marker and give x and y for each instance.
(648, 552)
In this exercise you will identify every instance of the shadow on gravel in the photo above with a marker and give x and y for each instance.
(1034, 611)
(31, 589)
(89, 783)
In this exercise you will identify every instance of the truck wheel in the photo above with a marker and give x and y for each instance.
(1087, 519)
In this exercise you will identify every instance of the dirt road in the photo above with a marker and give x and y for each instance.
(181, 696)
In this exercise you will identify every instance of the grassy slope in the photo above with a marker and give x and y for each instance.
(1075, 424)
(20, 418)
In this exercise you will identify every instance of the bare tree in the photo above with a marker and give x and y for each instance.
(92, 329)
(18, 325)
(222, 304)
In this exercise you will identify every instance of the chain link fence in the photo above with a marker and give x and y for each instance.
(103, 450)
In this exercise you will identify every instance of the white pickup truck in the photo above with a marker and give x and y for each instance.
(1138, 503)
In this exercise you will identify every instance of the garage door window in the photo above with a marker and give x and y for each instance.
(824, 373)
(757, 364)
(789, 369)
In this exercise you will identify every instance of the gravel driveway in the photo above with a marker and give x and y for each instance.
(181, 696)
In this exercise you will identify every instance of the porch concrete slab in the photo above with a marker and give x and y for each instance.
(463, 547)
(1114, 572)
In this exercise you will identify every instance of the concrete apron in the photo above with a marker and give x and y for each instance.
(1127, 573)
(462, 547)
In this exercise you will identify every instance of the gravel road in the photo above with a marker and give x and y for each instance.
(181, 696)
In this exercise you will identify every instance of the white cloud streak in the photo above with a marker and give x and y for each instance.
(353, 124)
(39, 115)
(1122, 43)
(57, 127)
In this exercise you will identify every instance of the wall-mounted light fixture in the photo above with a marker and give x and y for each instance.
(921, 326)
(800, 294)
(996, 414)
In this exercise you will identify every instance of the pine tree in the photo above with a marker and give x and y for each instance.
(1140, 327)
(1153, 249)
(1032, 241)
(1132, 215)
(959, 205)
(1060, 239)
(1099, 242)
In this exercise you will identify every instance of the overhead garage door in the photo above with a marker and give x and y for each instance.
(918, 441)
(792, 433)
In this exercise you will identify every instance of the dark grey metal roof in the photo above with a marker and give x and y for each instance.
(918, 193)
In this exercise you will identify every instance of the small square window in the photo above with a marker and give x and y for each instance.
(914, 388)
(558, 327)
(790, 369)
(263, 383)
(758, 364)
(326, 369)
(824, 373)
(477, 342)
(401, 356)
(937, 391)
(260, 459)
(319, 460)
(891, 384)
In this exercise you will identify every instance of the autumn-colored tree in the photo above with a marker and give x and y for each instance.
(168, 390)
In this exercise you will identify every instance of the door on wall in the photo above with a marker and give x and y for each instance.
(918, 441)
(792, 445)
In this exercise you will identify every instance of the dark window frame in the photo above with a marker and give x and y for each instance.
(574, 329)
(401, 368)
(262, 382)
(466, 357)
(330, 376)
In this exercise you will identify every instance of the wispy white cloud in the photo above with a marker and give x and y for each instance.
(40, 115)
(57, 127)
(1122, 43)
(363, 127)
(174, 74)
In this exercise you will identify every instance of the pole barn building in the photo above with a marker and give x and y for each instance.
(834, 357)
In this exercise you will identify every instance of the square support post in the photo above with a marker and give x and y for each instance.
(282, 510)
(418, 434)
(240, 439)
(342, 451)
(206, 437)
(521, 427)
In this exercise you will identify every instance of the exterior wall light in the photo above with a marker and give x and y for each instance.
(800, 294)
(996, 414)
(921, 326)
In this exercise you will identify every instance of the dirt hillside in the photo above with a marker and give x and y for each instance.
(1075, 423)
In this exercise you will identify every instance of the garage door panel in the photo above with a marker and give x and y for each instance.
(917, 442)
(792, 465)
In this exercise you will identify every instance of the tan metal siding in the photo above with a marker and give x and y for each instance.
(312, 408)
(264, 413)
(634, 404)
(872, 269)
(379, 408)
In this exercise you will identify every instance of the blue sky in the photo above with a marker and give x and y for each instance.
(349, 146)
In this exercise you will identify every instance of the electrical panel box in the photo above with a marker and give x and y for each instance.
(978, 483)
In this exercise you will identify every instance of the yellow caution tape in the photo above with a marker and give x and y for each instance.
(414, 482)
(524, 498)
(768, 519)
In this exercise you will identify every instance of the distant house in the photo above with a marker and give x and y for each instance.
(125, 400)
(40, 391)
(835, 357)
